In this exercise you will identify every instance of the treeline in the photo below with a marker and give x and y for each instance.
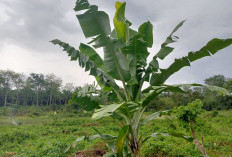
(211, 100)
(35, 89)
(40, 90)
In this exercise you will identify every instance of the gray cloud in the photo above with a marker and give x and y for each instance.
(205, 20)
(33, 23)
(30, 24)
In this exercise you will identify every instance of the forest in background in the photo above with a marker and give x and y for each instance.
(48, 90)
(35, 89)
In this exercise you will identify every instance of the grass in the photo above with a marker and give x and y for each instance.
(46, 134)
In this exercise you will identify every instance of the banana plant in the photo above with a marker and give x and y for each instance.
(125, 60)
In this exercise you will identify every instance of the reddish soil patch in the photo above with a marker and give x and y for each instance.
(91, 153)
(10, 154)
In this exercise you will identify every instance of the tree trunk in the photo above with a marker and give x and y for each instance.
(17, 97)
(196, 142)
(66, 100)
(5, 99)
(33, 100)
(26, 100)
(50, 99)
(37, 99)
(47, 101)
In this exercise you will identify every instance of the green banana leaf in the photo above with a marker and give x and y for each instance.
(152, 116)
(211, 48)
(106, 110)
(120, 24)
(81, 5)
(219, 90)
(179, 135)
(109, 110)
(163, 52)
(156, 90)
(90, 138)
(89, 64)
(96, 23)
(165, 49)
(92, 54)
(120, 139)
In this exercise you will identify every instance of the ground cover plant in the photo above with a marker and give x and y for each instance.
(125, 60)
(45, 136)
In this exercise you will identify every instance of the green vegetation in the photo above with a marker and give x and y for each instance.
(125, 60)
(49, 134)
(37, 126)
(135, 121)
(22, 91)
(188, 118)
(35, 89)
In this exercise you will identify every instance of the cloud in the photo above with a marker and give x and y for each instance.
(31, 24)
(18, 59)
(27, 26)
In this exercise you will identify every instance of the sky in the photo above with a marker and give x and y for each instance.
(27, 26)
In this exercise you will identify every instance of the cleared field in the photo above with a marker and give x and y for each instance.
(50, 134)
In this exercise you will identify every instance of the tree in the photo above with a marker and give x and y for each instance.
(52, 85)
(27, 90)
(212, 100)
(38, 84)
(67, 91)
(125, 61)
(188, 118)
(7, 77)
(1, 87)
(228, 85)
(18, 80)
(216, 80)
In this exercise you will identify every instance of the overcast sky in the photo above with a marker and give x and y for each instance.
(27, 26)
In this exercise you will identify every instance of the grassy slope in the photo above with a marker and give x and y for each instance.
(49, 135)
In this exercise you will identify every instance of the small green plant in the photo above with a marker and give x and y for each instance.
(125, 61)
(214, 113)
(188, 119)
